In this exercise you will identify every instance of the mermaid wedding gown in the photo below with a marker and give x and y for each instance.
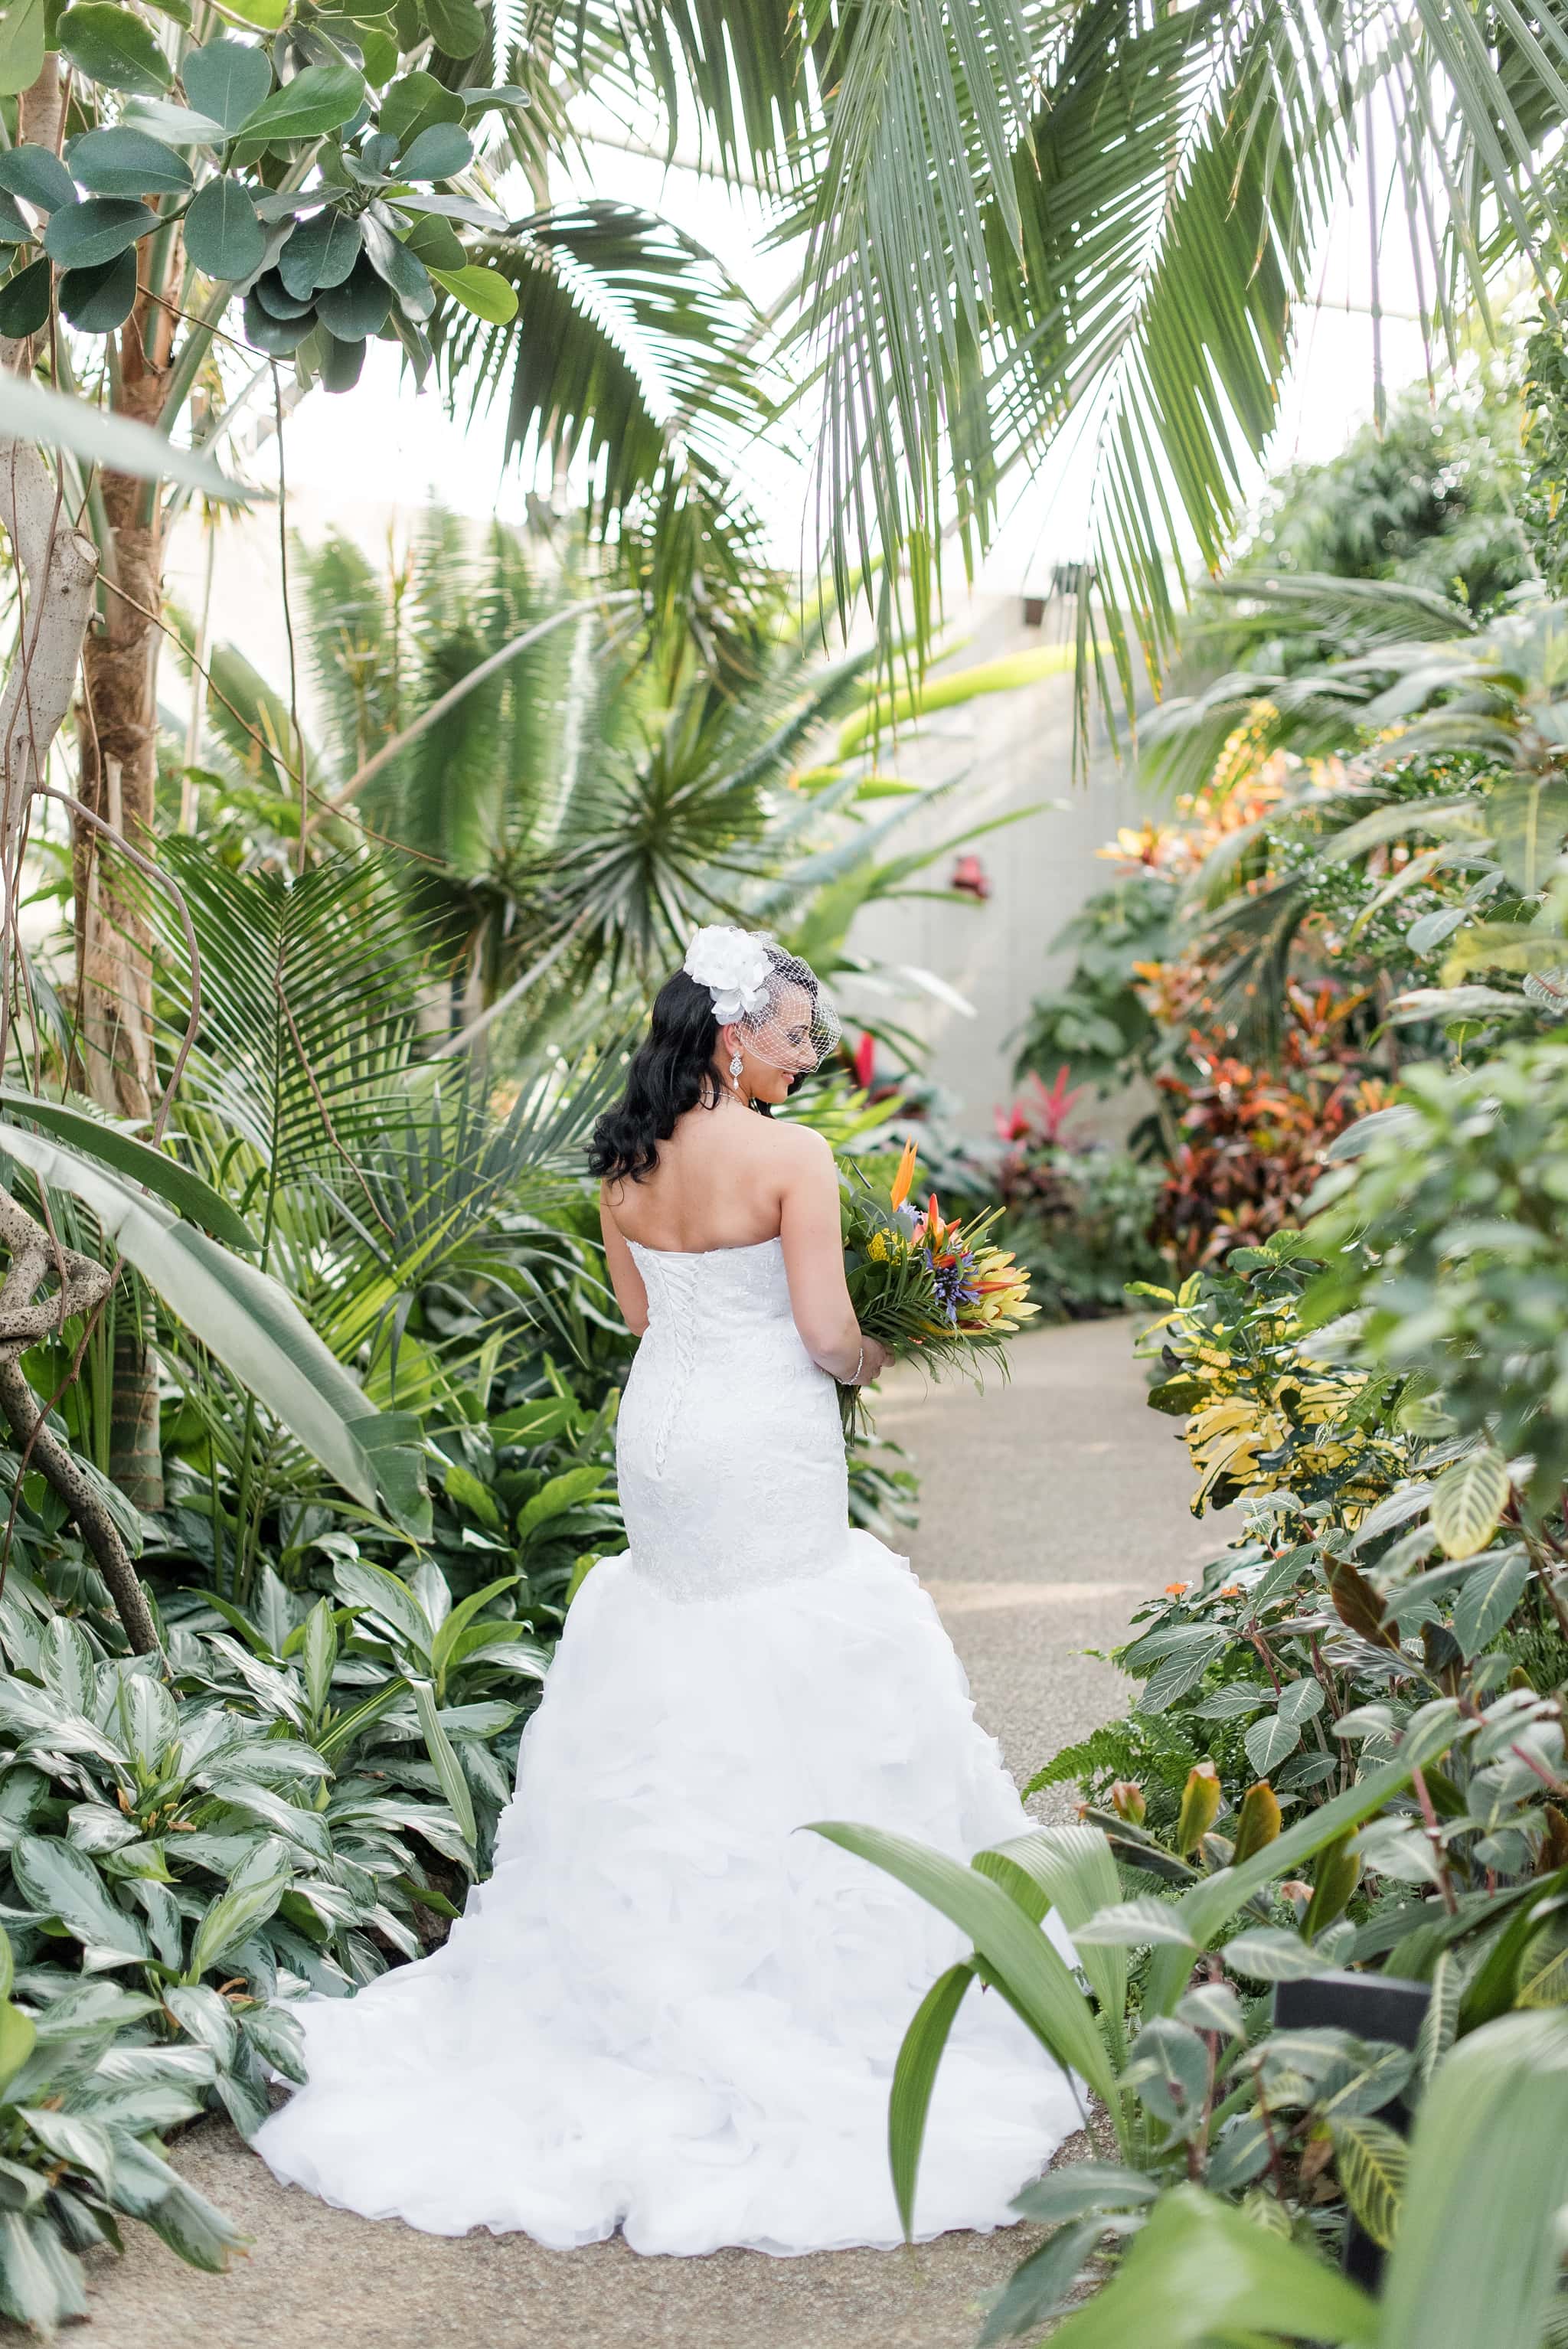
(669, 2009)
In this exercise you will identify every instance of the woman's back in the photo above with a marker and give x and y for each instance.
(720, 1182)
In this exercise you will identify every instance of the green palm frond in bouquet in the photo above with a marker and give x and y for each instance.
(921, 1284)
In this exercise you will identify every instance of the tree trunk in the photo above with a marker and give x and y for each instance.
(82, 1285)
(59, 567)
(118, 737)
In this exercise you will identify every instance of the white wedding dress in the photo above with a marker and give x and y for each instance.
(669, 2009)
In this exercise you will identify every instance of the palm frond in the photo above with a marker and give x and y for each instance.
(1133, 254)
(309, 988)
(630, 340)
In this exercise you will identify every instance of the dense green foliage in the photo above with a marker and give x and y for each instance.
(1347, 1748)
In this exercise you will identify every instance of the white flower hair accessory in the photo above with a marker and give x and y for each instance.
(735, 968)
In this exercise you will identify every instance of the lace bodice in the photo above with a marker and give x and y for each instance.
(730, 1454)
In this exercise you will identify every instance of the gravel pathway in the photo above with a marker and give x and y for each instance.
(1049, 1508)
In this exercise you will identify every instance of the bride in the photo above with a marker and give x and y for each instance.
(669, 2009)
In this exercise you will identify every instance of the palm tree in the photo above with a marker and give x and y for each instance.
(587, 804)
(1019, 219)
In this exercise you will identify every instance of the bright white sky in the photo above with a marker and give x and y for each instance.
(382, 443)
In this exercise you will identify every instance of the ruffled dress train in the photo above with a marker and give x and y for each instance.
(670, 2009)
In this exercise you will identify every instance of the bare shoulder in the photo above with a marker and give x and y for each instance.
(803, 1160)
(801, 1146)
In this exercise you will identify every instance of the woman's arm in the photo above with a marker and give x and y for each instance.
(814, 1261)
(625, 1278)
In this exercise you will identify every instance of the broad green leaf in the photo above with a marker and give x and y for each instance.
(438, 246)
(25, 302)
(321, 252)
(463, 1614)
(1079, 2189)
(208, 2019)
(448, 1768)
(276, 337)
(223, 235)
(457, 27)
(358, 306)
(440, 151)
(1468, 1499)
(1300, 1701)
(1528, 819)
(1200, 2272)
(335, 1741)
(1269, 1741)
(1042, 2286)
(1168, 2071)
(226, 79)
(253, 1896)
(360, 1584)
(56, 1880)
(1075, 1869)
(913, 2079)
(277, 2038)
(1019, 1957)
(467, 1491)
(266, 16)
(39, 2285)
(113, 46)
(557, 1495)
(1135, 1924)
(22, 46)
(38, 175)
(121, 162)
(1543, 1968)
(252, 1324)
(1271, 1955)
(31, 412)
(403, 271)
(81, 2143)
(100, 297)
(1372, 2161)
(305, 1828)
(414, 101)
(176, 126)
(321, 99)
(151, 2189)
(320, 1654)
(1476, 2257)
(1439, 2023)
(183, 1190)
(17, 2038)
(101, 228)
(1489, 1597)
(485, 292)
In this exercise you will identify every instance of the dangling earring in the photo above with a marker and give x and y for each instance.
(736, 1065)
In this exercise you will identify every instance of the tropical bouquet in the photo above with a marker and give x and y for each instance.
(921, 1284)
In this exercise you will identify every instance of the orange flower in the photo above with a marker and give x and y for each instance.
(905, 1176)
(1177, 1590)
(1230, 1590)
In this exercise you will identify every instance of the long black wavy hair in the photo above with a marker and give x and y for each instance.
(670, 1072)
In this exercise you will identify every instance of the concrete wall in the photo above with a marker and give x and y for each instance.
(1013, 749)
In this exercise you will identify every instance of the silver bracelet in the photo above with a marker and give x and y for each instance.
(854, 1377)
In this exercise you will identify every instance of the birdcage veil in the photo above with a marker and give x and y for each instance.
(774, 998)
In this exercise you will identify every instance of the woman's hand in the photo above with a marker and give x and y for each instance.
(874, 1362)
